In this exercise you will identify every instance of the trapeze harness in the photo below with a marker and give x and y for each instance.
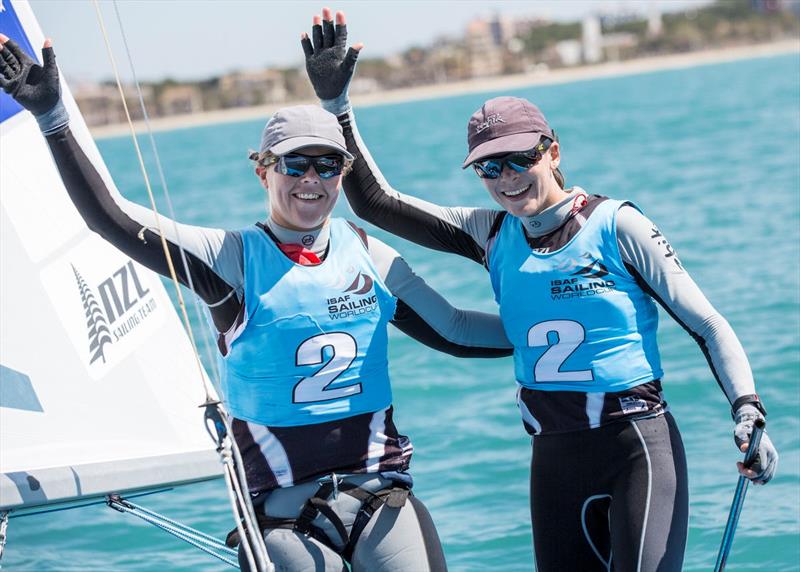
(394, 497)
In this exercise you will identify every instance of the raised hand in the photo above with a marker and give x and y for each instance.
(767, 460)
(34, 87)
(329, 67)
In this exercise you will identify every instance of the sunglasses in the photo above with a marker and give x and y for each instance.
(492, 167)
(326, 166)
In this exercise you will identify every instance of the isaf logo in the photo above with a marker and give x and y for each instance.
(361, 285)
(588, 280)
(120, 307)
(595, 269)
(356, 300)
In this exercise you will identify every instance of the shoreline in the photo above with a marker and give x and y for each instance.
(477, 85)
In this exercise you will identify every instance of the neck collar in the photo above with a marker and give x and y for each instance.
(315, 240)
(552, 217)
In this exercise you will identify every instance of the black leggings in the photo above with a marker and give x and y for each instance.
(610, 498)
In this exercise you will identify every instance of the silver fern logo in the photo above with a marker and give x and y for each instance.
(96, 321)
(121, 305)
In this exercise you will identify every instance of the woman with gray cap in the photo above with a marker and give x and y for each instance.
(301, 304)
(608, 472)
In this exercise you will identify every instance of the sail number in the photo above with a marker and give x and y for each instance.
(310, 352)
(570, 335)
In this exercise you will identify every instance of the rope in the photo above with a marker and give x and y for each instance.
(204, 542)
(206, 346)
(249, 512)
(235, 477)
(249, 535)
(152, 198)
(210, 539)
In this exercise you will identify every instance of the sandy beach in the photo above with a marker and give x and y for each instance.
(548, 77)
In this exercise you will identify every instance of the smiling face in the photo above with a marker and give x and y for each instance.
(528, 192)
(304, 202)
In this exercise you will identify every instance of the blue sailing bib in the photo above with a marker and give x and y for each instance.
(314, 347)
(576, 317)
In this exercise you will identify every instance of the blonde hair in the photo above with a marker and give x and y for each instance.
(266, 158)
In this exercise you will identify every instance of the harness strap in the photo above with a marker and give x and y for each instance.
(268, 523)
(313, 507)
(370, 503)
(393, 498)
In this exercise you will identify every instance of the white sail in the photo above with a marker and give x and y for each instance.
(99, 387)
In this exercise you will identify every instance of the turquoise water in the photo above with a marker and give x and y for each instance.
(712, 154)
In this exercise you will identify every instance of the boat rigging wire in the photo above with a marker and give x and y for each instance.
(170, 210)
(205, 542)
(251, 540)
(150, 195)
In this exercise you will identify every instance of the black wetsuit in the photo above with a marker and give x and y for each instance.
(608, 476)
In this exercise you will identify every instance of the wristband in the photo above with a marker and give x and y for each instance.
(54, 120)
(751, 399)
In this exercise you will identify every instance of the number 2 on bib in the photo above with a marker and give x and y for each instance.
(315, 387)
(570, 335)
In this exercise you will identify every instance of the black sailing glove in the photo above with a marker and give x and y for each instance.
(34, 87)
(329, 68)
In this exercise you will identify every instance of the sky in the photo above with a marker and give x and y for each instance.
(196, 39)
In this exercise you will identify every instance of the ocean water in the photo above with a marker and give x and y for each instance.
(711, 154)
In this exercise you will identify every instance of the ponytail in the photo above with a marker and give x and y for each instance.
(559, 176)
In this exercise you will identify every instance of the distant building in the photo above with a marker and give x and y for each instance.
(655, 24)
(364, 85)
(615, 45)
(449, 62)
(592, 37)
(100, 104)
(485, 55)
(180, 99)
(598, 47)
(570, 52)
(501, 30)
(248, 88)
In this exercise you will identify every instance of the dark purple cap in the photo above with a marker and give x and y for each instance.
(504, 125)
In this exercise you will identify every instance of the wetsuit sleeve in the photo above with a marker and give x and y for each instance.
(457, 230)
(214, 256)
(423, 314)
(654, 264)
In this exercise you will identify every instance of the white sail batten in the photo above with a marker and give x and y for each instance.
(99, 388)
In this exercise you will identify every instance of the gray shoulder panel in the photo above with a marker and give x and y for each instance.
(221, 250)
(466, 328)
(645, 249)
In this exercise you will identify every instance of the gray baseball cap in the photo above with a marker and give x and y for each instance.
(505, 125)
(293, 128)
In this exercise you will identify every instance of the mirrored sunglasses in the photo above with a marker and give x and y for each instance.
(492, 167)
(295, 165)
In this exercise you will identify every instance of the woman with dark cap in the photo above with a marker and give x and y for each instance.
(301, 304)
(576, 277)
